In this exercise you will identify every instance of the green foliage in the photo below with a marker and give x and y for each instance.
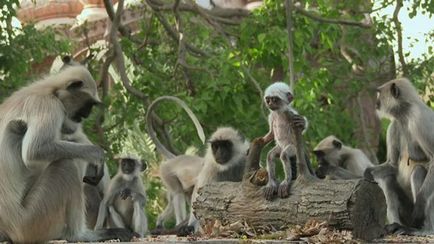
(22, 48)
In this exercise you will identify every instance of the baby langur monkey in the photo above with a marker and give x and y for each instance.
(225, 160)
(125, 198)
(337, 161)
(278, 97)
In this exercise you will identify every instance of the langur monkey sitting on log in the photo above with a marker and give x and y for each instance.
(410, 144)
(225, 160)
(41, 188)
(125, 198)
(178, 172)
(278, 98)
(337, 161)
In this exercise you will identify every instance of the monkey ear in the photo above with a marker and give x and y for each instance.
(66, 59)
(394, 90)
(144, 165)
(289, 96)
(337, 144)
(74, 85)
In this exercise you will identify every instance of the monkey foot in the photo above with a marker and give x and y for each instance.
(283, 191)
(399, 229)
(269, 191)
(185, 230)
(116, 233)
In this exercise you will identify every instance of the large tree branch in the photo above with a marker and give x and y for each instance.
(119, 58)
(398, 27)
(289, 6)
(362, 24)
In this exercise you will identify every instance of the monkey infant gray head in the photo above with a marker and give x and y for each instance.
(227, 147)
(328, 150)
(76, 89)
(131, 165)
(395, 97)
(278, 95)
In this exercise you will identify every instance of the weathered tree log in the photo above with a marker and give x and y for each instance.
(356, 205)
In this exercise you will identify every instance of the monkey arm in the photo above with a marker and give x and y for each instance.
(41, 143)
(270, 135)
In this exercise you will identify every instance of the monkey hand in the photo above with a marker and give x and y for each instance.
(298, 122)
(94, 174)
(283, 191)
(270, 189)
(125, 193)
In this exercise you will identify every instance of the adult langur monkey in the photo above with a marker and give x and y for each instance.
(337, 161)
(93, 191)
(34, 206)
(410, 143)
(125, 198)
(178, 172)
(225, 160)
(278, 98)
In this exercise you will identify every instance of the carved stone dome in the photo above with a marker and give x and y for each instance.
(49, 12)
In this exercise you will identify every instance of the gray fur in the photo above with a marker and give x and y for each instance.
(42, 197)
(410, 144)
(127, 212)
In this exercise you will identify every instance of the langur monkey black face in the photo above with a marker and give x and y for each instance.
(277, 96)
(129, 165)
(222, 150)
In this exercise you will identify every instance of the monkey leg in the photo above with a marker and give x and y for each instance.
(167, 212)
(399, 205)
(417, 178)
(286, 155)
(116, 217)
(271, 188)
(421, 201)
(139, 221)
(179, 207)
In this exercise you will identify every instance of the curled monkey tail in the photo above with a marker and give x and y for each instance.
(150, 125)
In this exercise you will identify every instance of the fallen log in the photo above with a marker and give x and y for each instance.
(356, 205)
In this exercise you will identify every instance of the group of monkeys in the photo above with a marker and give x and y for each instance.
(55, 184)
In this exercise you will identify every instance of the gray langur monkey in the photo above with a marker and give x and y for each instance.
(125, 198)
(278, 98)
(406, 178)
(337, 161)
(225, 160)
(94, 186)
(93, 193)
(177, 172)
(41, 188)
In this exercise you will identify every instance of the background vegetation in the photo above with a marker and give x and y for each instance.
(221, 65)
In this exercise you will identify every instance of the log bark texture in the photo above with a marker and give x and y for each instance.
(355, 205)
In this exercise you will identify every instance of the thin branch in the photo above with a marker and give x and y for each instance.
(289, 6)
(362, 24)
(119, 58)
(172, 33)
(399, 36)
(125, 31)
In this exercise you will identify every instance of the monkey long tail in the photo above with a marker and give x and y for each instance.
(151, 131)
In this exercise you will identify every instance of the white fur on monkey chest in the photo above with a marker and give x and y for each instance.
(281, 129)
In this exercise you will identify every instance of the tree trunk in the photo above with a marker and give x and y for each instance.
(356, 205)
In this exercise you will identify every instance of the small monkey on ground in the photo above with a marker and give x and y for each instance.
(225, 160)
(337, 161)
(278, 98)
(125, 198)
(178, 172)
